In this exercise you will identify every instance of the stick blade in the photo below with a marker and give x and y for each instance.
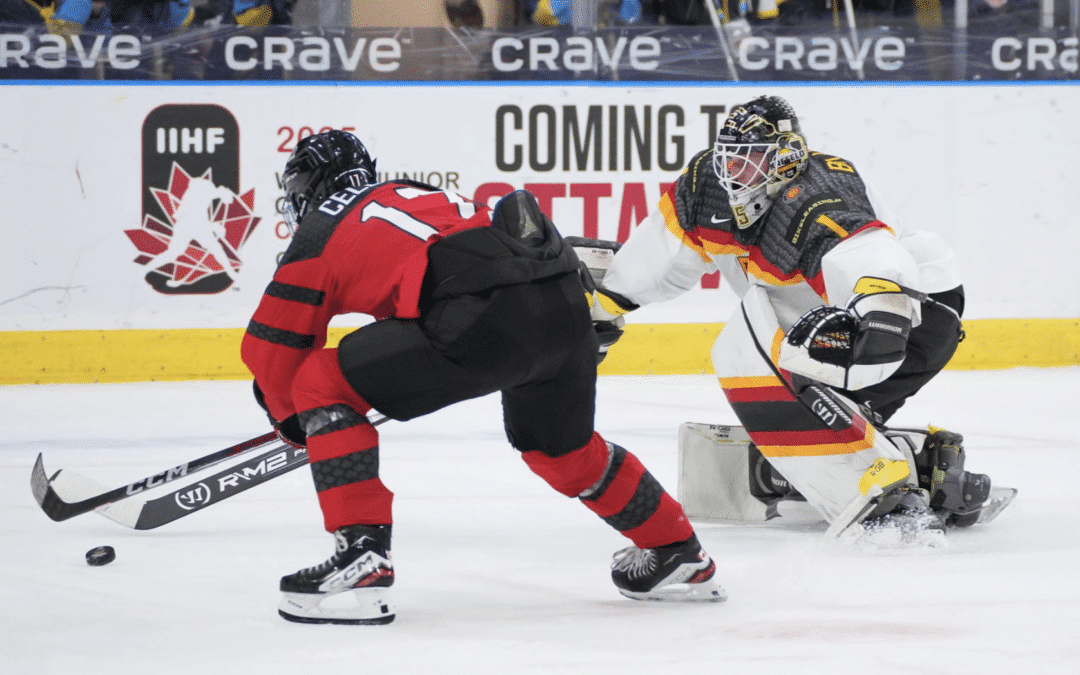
(39, 483)
(51, 503)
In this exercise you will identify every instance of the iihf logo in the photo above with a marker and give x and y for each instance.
(195, 221)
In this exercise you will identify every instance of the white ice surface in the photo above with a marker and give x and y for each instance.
(497, 573)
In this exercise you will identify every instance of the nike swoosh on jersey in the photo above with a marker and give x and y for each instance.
(716, 221)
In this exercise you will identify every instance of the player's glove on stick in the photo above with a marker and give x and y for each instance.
(289, 429)
(607, 308)
(854, 347)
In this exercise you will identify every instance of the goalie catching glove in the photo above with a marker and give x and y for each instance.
(289, 429)
(854, 347)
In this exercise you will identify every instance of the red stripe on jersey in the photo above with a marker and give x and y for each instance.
(872, 225)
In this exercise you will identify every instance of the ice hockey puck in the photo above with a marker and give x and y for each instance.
(102, 555)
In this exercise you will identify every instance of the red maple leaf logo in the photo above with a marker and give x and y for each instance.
(209, 223)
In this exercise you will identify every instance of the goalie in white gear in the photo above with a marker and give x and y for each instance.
(830, 338)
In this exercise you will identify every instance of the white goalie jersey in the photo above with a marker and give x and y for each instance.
(827, 230)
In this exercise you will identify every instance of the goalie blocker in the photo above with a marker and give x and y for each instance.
(724, 479)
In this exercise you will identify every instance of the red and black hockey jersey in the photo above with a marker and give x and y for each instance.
(361, 251)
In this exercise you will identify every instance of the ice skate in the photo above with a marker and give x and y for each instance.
(682, 574)
(959, 496)
(910, 524)
(350, 587)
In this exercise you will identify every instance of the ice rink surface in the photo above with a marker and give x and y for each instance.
(497, 573)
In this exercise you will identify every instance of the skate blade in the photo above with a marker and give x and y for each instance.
(707, 591)
(356, 607)
(1000, 497)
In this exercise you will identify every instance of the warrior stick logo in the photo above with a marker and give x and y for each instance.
(195, 220)
(195, 498)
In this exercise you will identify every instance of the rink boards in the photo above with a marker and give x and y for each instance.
(89, 205)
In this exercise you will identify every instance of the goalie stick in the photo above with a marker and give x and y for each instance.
(60, 509)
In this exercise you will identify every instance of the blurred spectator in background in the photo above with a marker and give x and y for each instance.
(20, 11)
(155, 17)
(678, 12)
(251, 13)
(500, 14)
(71, 17)
(696, 12)
(464, 13)
(561, 12)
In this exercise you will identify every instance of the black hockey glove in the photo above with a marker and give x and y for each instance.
(289, 429)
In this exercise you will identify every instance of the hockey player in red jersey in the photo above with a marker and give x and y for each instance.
(468, 301)
(843, 317)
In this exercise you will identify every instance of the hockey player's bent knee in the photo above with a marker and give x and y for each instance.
(319, 383)
(576, 471)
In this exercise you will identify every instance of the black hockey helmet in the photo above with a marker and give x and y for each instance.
(321, 165)
(760, 121)
(759, 150)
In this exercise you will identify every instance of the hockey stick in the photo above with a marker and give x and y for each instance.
(714, 14)
(58, 509)
(148, 513)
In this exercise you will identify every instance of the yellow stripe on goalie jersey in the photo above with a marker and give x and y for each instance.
(831, 224)
(774, 350)
(814, 450)
(749, 382)
(671, 221)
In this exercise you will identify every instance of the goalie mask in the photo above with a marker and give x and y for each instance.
(760, 149)
(321, 165)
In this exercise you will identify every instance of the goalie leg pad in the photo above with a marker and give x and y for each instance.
(724, 479)
(817, 441)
